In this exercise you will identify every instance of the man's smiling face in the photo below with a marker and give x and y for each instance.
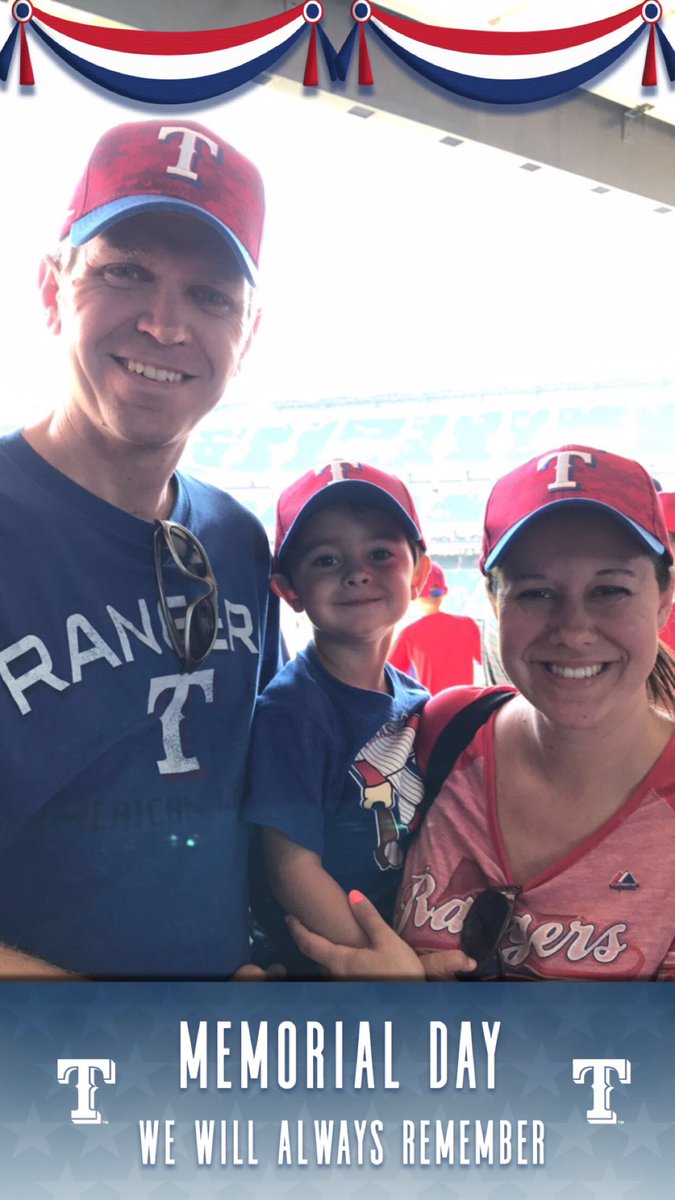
(157, 316)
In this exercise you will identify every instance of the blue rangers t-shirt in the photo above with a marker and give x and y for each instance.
(122, 852)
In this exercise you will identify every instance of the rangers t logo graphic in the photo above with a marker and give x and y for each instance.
(341, 470)
(601, 1071)
(190, 148)
(85, 1071)
(564, 468)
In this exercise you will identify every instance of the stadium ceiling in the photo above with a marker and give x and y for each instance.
(616, 133)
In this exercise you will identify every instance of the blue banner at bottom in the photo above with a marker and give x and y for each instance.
(307, 1091)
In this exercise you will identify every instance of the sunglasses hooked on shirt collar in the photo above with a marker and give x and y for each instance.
(192, 638)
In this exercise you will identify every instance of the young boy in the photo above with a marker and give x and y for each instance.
(333, 781)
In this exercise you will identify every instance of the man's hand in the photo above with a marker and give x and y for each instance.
(385, 956)
(14, 964)
(441, 965)
(249, 973)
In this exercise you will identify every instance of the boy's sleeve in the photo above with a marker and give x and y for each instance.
(289, 774)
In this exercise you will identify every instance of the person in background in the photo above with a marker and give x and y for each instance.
(135, 623)
(440, 649)
(667, 502)
(549, 851)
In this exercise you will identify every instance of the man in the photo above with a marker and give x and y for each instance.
(130, 651)
(440, 649)
(667, 502)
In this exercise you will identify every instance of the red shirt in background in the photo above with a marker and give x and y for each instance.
(439, 650)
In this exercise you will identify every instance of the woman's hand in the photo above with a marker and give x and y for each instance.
(386, 955)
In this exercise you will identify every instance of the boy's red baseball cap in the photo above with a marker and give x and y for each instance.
(341, 483)
(579, 476)
(172, 166)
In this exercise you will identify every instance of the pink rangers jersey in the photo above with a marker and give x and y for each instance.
(605, 911)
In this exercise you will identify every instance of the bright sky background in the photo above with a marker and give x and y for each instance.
(393, 263)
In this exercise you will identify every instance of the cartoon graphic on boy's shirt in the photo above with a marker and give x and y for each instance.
(391, 785)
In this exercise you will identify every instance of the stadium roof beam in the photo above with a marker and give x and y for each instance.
(619, 145)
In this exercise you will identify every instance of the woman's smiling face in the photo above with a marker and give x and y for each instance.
(580, 609)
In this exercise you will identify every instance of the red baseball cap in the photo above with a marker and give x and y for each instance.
(435, 583)
(667, 502)
(573, 475)
(175, 166)
(340, 483)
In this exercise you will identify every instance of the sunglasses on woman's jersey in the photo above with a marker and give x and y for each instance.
(488, 920)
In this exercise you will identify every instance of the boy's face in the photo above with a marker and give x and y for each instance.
(353, 572)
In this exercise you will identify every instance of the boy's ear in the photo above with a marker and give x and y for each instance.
(283, 588)
(420, 574)
(48, 282)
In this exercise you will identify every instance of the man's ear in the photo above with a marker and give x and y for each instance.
(420, 575)
(48, 282)
(283, 588)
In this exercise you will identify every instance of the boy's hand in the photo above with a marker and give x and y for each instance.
(385, 956)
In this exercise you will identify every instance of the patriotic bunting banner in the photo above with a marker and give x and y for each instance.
(508, 68)
(499, 67)
(165, 68)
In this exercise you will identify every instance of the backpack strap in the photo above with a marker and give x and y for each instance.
(455, 737)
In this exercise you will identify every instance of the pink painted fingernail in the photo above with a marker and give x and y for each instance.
(356, 897)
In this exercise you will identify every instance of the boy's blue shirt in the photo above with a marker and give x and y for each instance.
(332, 767)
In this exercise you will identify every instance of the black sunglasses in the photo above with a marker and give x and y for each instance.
(193, 640)
(485, 924)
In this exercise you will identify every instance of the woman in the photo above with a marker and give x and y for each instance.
(562, 808)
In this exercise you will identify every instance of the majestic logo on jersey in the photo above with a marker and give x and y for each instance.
(623, 881)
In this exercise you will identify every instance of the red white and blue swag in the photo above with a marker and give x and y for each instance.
(497, 66)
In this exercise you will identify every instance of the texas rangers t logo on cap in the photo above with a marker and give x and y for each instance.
(190, 150)
(347, 482)
(181, 167)
(584, 478)
(564, 468)
(339, 469)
